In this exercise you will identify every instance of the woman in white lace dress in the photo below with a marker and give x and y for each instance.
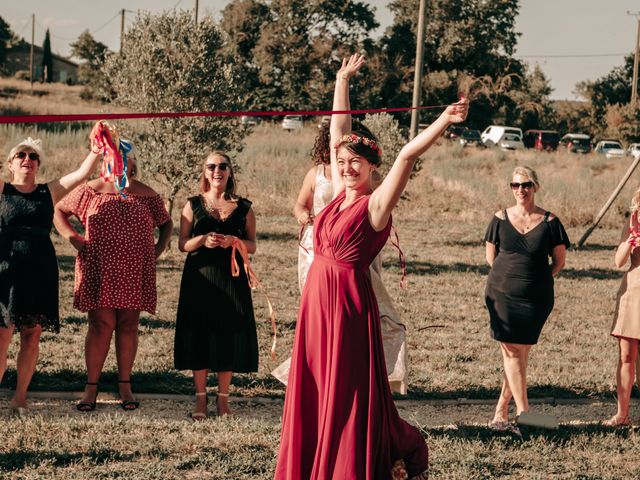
(315, 194)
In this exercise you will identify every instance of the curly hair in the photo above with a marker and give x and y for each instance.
(320, 153)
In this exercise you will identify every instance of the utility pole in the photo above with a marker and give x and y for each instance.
(417, 77)
(33, 39)
(197, 11)
(121, 28)
(634, 85)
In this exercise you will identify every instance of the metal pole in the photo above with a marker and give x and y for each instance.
(121, 29)
(196, 11)
(419, 66)
(33, 37)
(634, 85)
(612, 198)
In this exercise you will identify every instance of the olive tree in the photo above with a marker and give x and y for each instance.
(169, 63)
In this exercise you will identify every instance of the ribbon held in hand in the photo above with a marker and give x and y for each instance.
(239, 247)
(113, 168)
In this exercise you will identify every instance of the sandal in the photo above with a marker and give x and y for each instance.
(505, 426)
(88, 406)
(617, 421)
(218, 397)
(129, 405)
(199, 416)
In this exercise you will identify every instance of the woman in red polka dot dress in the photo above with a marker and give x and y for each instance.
(115, 274)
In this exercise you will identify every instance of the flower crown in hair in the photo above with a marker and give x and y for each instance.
(353, 138)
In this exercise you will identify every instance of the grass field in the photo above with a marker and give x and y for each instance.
(441, 223)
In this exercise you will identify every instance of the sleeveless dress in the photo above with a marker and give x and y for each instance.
(339, 419)
(394, 333)
(519, 292)
(28, 265)
(117, 267)
(626, 320)
(215, 326)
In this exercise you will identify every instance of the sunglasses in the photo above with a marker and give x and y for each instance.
(32, 156)
(221, 166)
(526, 185)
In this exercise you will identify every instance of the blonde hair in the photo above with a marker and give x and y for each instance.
(27, 144)
(230, 191)
(528, 172)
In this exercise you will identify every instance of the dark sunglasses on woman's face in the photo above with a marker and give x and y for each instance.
(525, 185)
(221, 166)
(32, 156)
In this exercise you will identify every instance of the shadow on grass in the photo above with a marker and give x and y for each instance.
(593, 247)
(594, 273)
(560, 437)
(464, 243)
(278, 236)
(429, 268)
(21, 458)
(146, 322)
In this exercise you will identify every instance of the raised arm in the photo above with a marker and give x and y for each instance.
(63, 185)
(386, 196)
(341, 123)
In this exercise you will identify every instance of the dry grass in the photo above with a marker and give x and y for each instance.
(441, 225)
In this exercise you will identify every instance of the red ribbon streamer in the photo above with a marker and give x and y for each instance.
(82, 117)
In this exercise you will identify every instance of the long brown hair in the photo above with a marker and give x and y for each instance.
(230, 189)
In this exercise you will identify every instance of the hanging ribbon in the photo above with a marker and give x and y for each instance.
(238, 246)
(113, 167)
(403, 263)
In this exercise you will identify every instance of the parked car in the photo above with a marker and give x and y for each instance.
(471, 138)
(576, 143)
(249, 121)
(324, 121)
(610, 149)
(541, 139)
(507, 138)
(454, 132)
(634, 150)
(292, 122)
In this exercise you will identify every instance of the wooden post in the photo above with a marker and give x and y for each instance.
(612, 198)
(634, 84)
(419, 66)
(33, 39)
(196, 11)
(121, 29)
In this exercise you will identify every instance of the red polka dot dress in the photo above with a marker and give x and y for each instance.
(117, 267)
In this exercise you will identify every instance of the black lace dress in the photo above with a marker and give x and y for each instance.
(215, 326)
(519, 292)
(28, 265)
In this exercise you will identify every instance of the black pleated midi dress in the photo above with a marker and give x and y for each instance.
(519, 292)
(215, 325)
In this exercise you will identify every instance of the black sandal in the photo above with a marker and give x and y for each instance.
(87, 406)
(129, 405)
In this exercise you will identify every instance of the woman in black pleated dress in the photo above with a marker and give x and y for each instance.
(519, 292)
(215, 327)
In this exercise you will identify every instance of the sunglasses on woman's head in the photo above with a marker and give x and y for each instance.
(526, 185)
(32, 156)
(212, 166)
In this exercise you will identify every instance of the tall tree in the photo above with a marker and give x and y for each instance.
(171, 64)
(47, 59)
(94, 54)
(6, 35)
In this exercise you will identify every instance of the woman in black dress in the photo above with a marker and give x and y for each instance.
(215, 327)
(28, 265)
(519, 292)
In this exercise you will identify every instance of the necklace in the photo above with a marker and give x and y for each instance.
(219, 212)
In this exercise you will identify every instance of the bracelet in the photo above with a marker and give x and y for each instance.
(96, 151)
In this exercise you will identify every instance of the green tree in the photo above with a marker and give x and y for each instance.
(169, 63)
(623, 122)
(291, 47)
(47, 59)
(94, 54)
(6, 35)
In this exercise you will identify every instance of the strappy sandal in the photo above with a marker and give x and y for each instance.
(129, 405)
(218, 396)
(617, 421)
(88, 406)
(199, 416)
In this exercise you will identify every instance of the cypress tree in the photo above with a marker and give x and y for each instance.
(47, 59)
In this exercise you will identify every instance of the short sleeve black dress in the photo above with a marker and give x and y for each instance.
(215, 326)
(519, 291)
(28, 265)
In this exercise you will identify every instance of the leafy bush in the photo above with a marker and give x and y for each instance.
(390, 138)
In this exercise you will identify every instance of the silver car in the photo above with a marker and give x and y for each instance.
(634, 150)
(610, 149)
(292, 122)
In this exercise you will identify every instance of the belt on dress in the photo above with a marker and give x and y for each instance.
(338, 263)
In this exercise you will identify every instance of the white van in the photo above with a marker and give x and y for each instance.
(507, 138)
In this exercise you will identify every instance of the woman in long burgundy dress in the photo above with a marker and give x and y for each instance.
(339, 419)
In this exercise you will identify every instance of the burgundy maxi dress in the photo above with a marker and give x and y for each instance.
(339, 420)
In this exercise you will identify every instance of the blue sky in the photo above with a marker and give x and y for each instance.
(549, 28)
